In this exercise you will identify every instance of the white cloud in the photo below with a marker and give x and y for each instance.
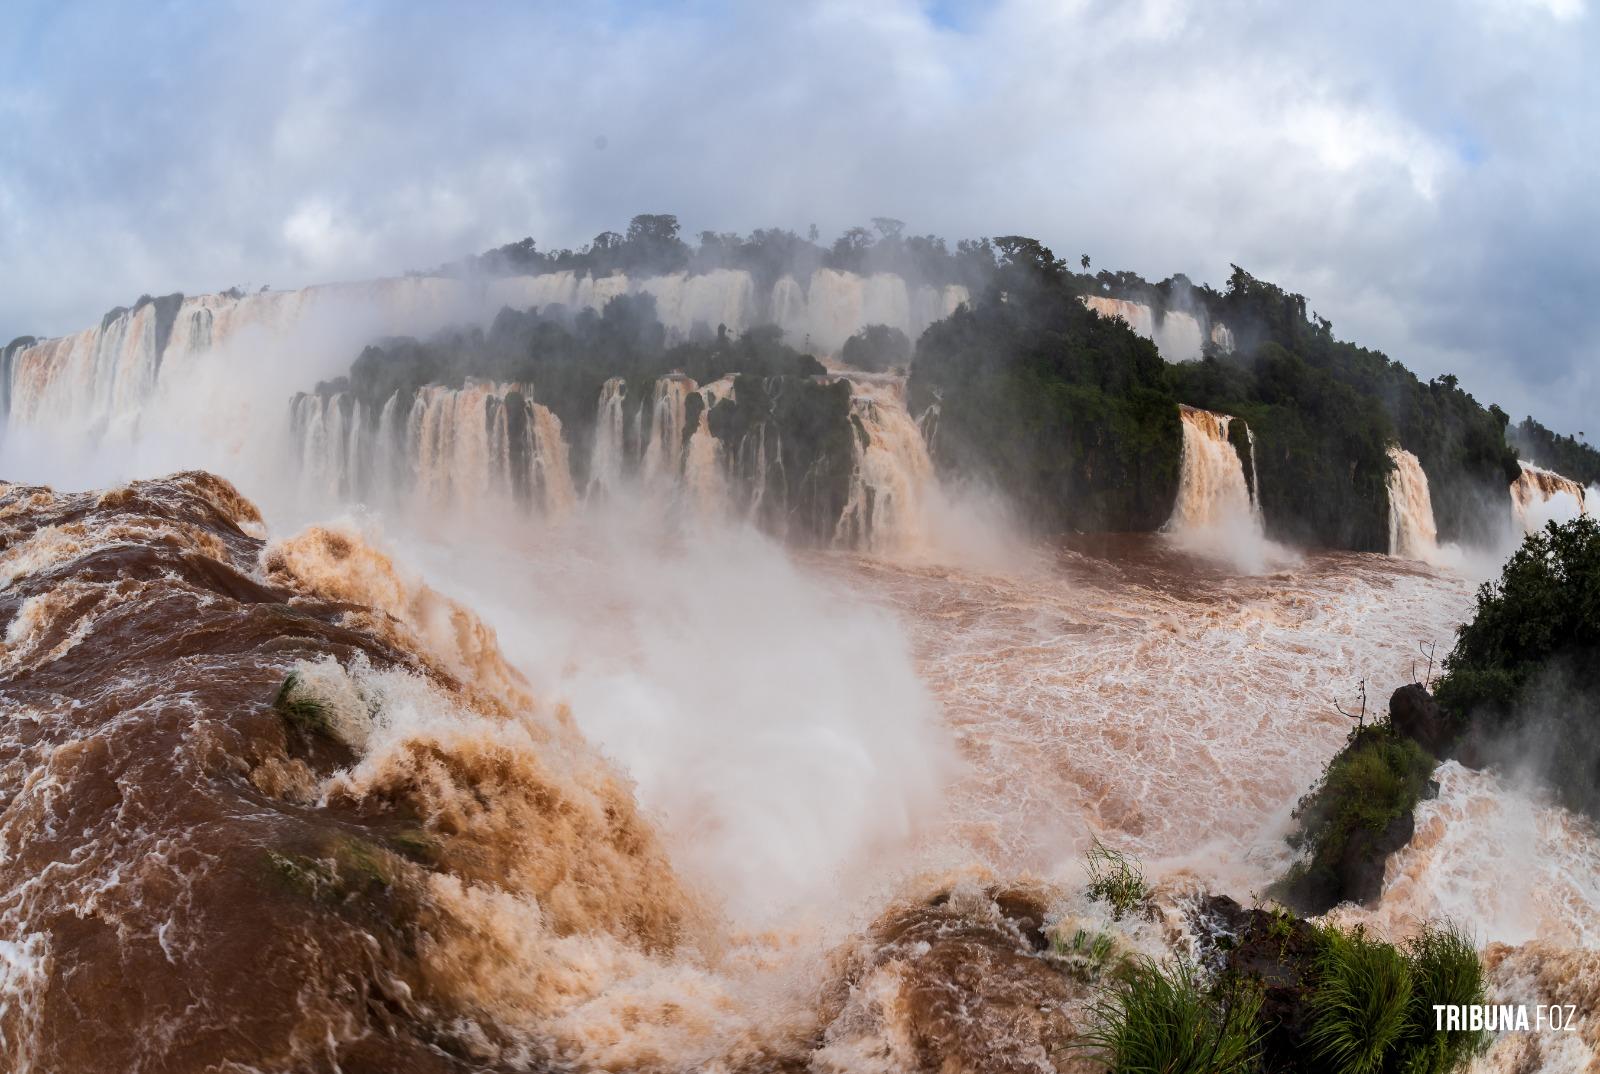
(1421, 176)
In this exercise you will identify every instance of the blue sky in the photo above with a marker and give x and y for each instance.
(1425, 173)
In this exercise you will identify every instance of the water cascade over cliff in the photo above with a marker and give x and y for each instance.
(1539, 496)
(891, 473)
(443, 448)
(99, 381)
(1412, 532)
(1179, 335)
(1216, 510)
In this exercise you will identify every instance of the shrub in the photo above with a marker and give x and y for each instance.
(1167, 1020)
(876, 348)
(1527, 664)
(1117, 880)
(1377, 778)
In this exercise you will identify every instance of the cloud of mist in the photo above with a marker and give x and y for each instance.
(1421, 173)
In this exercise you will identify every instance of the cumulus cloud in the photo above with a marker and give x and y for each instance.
(1421, 172)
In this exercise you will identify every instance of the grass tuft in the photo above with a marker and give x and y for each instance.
(1165, 1019)
(301, 710)
(1116, 879)
(1362, 1002)
(1444, 969)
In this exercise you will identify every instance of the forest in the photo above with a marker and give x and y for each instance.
(1071, 414)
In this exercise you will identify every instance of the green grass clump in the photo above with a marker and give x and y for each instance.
(1087, 954)
(1117, 880)
(348, 867)
(1362, 1003)
(300, 709)
(1372, 1006)
(1165, 1019)
(1445, 968)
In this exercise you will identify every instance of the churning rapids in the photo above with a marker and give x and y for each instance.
(330, 787)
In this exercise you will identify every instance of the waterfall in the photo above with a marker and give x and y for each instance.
(890, 474)
(1212, 491)
(1137, 315)
(663, 453)
(1218, 512)
(1179, 335)
(704, 476)
(610, 431)
(1412, 533)
(1539, 496)
(96, 383)
(1179, 338)
(443, 449)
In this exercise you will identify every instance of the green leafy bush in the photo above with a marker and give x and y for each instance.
(1527, 664)
(1377, 778)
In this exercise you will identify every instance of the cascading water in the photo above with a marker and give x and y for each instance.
(704, 473)
(1212, 490)
(1179, 334)
(609, 453)
(444, 448)
(891, 473)
(97, 382)
(1539, 496)
(663, 453)
(1217, 512)
(1412, 532)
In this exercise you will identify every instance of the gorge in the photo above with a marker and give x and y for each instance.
(588, 669)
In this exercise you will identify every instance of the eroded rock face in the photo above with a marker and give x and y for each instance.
(1415, 714)
(1276, 950)
(965, 982)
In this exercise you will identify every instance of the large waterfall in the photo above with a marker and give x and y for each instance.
(1539, 496)
(1412, 532)
(1179, 335)
(1212, 489)
(1217, 511)
(890, 476)
(443, 448)
(98, 381)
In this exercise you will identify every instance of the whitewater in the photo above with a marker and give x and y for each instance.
(832, 766)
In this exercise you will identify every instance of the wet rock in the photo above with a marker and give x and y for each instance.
(1415, 714)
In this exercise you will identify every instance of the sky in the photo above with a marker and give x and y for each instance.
(1426, 173)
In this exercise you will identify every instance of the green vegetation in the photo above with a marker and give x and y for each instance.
(805, 425)
(1116, 878)
(300, 709)
(1088, 954)
(1361, 1004)
(1071, 415)
(1167, 1019)
(345, 868)
(1345, 822)
(1445, 969)
(1372, 1006)
(651, 245)
(877, 348)
(1318, 1000)
(1526, 667)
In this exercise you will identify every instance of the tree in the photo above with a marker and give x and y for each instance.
(877, 348)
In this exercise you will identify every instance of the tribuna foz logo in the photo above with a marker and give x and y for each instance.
(1505, 1017)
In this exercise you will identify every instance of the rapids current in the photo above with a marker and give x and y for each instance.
(831, 802)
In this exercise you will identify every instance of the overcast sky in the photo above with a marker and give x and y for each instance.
(1425, 172)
